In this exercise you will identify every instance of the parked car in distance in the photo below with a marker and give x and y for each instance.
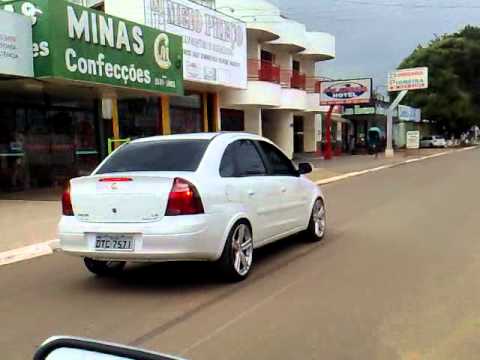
(433, 141)
(200, 197)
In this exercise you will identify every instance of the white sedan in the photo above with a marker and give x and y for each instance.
(199, 197)
(433, 141)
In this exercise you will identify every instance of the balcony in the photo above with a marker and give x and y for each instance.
(261, 70)
(298, 80)
(263, 87)
(269, 86)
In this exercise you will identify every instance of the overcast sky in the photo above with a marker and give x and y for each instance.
(374, 36)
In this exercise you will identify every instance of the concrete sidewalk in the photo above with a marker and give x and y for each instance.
(25, 222)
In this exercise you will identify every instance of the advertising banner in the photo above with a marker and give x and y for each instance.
(407, 113)
(345, 92)
(15, 45)
(408, 79)
(215, 45)
(76, 43)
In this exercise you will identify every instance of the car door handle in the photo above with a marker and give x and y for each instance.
(283, 189)
(251, 193)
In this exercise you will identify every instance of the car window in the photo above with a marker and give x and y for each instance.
(167, 155)
(227, 165)
(241, 158)
(426, 138)
(278, 162)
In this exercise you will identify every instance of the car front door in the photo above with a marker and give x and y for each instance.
(292, 209)
(247, 185)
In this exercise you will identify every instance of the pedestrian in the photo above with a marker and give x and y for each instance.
(375, 149)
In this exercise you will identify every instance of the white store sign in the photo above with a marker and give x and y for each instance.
(16, 56)
(413, 139)
(408, 79)
(215, 45)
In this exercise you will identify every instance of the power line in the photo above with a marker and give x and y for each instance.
(409, 6)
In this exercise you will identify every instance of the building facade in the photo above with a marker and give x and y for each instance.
(102, 73)
(282, 99)
(61, 118)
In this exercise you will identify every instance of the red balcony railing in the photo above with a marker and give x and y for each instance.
(298, 80)
(286, 78)
(263, 71)
(267, 71)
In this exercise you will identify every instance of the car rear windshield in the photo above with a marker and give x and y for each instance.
(168, 155)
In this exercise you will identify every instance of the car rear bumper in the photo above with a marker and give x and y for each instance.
(171, 239)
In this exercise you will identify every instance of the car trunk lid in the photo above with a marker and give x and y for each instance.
(120, 198)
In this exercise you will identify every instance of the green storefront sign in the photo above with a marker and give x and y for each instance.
(76, 43)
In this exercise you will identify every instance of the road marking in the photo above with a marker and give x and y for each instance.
(388, 166)
(28, 252)
(239, 317)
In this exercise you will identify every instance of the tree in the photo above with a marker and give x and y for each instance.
(453, 97)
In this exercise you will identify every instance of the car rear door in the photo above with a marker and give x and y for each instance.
(244, 173)
(292, 208)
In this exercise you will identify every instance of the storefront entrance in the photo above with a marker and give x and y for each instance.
(233, 120)
(42, 146)
(186, 114)
(298, 134)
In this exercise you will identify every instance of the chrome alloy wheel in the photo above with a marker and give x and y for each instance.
(242, 248)
(319, 216)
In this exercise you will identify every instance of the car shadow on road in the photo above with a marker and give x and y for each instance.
(192, 276)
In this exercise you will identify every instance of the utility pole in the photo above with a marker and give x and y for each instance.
(389, 149)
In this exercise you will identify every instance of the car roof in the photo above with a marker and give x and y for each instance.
(201, 136)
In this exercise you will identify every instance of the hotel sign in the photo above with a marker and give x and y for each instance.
(346, 92)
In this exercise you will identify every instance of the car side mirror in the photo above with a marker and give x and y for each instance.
(67, 348)
(305, 168)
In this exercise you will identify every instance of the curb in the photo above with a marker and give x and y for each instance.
(49, 247)
(389, 166)
(29, 252)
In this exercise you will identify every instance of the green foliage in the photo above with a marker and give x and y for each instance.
(453, 98)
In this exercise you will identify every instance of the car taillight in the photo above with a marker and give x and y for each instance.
(67, 209)
(183, 199)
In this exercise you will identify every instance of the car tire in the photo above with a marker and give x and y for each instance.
(237, 256)
(104, 268)
(317, 225)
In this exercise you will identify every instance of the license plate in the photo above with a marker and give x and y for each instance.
(106, 242)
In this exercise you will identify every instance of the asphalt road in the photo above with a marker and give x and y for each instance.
(396, 278)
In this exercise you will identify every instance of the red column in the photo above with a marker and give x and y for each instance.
(328, 135)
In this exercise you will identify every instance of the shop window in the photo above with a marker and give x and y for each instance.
(186, 114)
(138, 118)
(44, 147)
